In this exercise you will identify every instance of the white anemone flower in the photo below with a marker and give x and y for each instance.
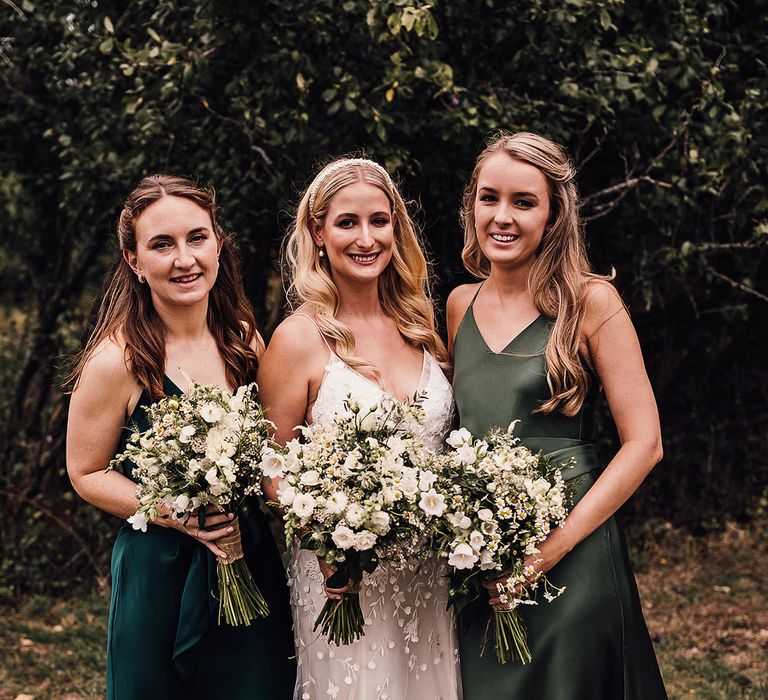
(459, 437)
(467, 454)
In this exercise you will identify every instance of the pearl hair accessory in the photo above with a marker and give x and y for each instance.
(339, 165)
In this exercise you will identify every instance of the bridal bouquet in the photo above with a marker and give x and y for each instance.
(353, 492)
(503, 500)
(202, 451)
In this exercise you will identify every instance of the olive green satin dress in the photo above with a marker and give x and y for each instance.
(164, 640)
(591, 643)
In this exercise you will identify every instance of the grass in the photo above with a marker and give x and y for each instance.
(704, 599)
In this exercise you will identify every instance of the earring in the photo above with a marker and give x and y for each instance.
(140, 277)
(321, 253)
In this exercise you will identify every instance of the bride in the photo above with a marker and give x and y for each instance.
(363, 324)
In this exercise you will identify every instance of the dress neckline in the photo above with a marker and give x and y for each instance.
(503, 350)
(388, 394)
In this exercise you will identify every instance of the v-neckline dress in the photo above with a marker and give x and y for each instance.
(591, 643)
(409, 650)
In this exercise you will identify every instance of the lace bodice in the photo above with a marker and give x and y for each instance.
(409, 650)
(340, 381)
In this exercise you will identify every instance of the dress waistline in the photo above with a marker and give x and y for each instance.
(573, 457)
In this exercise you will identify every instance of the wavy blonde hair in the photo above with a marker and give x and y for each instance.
(403, 287)
(558, 279)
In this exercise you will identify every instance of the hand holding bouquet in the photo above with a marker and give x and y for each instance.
(354, 493)
(202, 452)
(503, 501)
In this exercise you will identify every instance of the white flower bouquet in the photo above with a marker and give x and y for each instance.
(353, 492)
(503, 500)
(203, 451)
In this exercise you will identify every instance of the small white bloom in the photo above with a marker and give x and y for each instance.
(355, 514)
(433, 503)
(211, 412)
(343, 537)
(272, 463)
(486, 560)
(459, 520)
(462, 557)
(310, 478)
(286, 494)
(220, 443)
(139, 521)
(460, 437)
(364, 540)
(186, 433)
(303, 505)
(427, 479)
(336, 502)
(380, 522)
(409, 486)
(181, 502)
(476, 540)
(485, 514)
(467, 454)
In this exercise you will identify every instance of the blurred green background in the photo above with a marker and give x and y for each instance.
(662, 105)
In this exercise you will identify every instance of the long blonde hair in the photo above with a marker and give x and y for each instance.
(403, 287)
(558, 279)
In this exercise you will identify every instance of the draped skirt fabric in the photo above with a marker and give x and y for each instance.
(591, 643)
(164, 639)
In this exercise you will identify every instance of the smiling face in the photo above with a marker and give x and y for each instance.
(357, 233)
(176, 251)
(511, 210)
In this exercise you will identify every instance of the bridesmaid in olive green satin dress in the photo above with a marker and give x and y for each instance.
(535, 341)
(174, 305)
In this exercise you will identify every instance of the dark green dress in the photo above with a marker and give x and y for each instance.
(591, 643)
(164, 640)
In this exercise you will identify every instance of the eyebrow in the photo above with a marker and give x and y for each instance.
(351, 214)
(516, 194)
(198, 229)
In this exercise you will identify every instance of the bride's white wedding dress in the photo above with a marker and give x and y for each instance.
(409, 650)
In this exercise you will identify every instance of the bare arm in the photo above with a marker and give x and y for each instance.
(103, 398)
(615, 351)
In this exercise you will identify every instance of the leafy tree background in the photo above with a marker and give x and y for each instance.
(663, 106)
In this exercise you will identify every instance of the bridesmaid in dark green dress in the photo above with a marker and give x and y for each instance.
(174, 305)
(535, 341)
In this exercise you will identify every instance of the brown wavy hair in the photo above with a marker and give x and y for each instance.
(125, 307)
(561, 272)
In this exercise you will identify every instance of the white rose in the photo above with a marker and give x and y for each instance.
(343, 537)
(139, 521)
(355, 514)
(460, 437)
(336, 502)
(303, 505)
(433, 503)
(286, 494)
(467, 454)
(364, 540)
(211, 412)
(310, 478)
(272, 463)
(462, 557)
(379, 522)
(185, 436)
(485, 515)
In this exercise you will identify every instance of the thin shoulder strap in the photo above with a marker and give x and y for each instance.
(322, 335)
(480, 286)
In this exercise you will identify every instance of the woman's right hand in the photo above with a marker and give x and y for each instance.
(335, 593)
(217, 524)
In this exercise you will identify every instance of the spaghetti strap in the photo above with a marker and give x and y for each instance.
(472, 303)
(322, 335)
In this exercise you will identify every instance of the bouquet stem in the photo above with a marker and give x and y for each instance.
(240, 599)
(510, 637)
(341, 621)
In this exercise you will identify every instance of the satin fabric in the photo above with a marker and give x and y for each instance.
(591, 643)
(164, 639)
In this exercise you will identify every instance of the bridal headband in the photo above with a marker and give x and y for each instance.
(339, 165)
